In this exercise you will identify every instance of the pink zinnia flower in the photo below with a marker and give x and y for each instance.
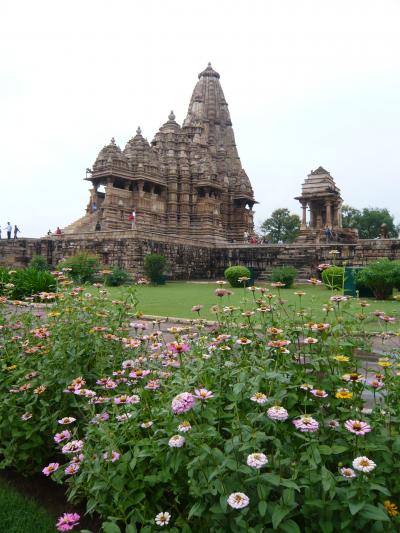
(306, 424)
(67, 521)
(277, 413)
(49, 469)
(203, 394)
(182, 402)
(238, 500)
(357, 427)
(74, 446)
(64, 435)
(257, 460)
(319, 393)
(184, 427)
(114, 456)
(67, 420)
(153, 384)
(124, 399)
(347, 472)
(178, 347)
(138, 373)
(72, 469)
(259, 397)
(177, 441)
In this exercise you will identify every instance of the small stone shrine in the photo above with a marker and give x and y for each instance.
(188, 182)
(322, 197)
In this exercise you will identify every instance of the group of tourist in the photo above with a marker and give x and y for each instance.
(9, 230)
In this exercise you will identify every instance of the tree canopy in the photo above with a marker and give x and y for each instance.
(281, 226)
(368, 221)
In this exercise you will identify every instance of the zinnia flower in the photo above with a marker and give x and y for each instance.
(64, 435)
(363, 464)
(277, 412)
(73, 446)
(49, 469)
(203, 394)
(238, 500)
(182, 403)
(306, 424)
(114, 456)
(67, 420)
(177, 441)
(184, 426)
(319, 393)
(257, 460)
(162, 519)
(259, 397)
(72, 469)
(67, 521)
(347, 472)
(357, 427)
(391, 508)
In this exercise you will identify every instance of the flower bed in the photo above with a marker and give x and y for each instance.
(258, 424)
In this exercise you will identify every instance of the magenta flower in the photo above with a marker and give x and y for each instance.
(72, 468)
(64, 435)
(50, 468)
(306, 424)
(203, 394)
(178, 347)
(182, 403)
(67, 521)
(358, 427)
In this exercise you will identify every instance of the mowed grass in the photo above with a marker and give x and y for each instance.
(21, 515)
(175, 299)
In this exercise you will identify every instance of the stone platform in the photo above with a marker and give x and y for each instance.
(194, 259)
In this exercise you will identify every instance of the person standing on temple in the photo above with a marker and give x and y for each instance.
(16, 231)
(8, 228)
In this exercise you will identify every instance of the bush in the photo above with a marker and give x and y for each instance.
(25, 282)
(83, 267)
(154, 267)
(118, 276)
(39, 262)
(381, 277)
(285, 274)
(333, 277)
(233, 273)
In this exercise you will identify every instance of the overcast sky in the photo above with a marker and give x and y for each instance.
(308, 83)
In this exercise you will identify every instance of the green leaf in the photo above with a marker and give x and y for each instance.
(279, 514)
(324, 449)
(338, 448)
(379, 488)
(355, 507)
(290, 526)
(262, 507)
(196, 510)
(110, 527)
(130, 528)
(375, 513)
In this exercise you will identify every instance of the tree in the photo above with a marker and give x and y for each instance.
(369, 221)
(281, 226)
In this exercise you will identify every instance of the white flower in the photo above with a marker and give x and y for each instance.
(257, 460)
(184, 426)
(363, 464)
(177, 441)
(162, 519)
(238, 500)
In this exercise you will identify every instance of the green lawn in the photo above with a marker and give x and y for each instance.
(20, 515)
(176, 299)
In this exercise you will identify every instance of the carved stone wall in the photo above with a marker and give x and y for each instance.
(193, 260)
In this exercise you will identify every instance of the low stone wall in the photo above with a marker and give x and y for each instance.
(193, 260)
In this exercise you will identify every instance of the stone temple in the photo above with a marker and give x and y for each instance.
(187, 182)
(322, 197)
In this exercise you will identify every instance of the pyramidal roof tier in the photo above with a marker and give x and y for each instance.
(208, 124)
(320, 183)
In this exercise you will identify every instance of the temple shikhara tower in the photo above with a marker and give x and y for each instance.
(322, 197)
(187, 182)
